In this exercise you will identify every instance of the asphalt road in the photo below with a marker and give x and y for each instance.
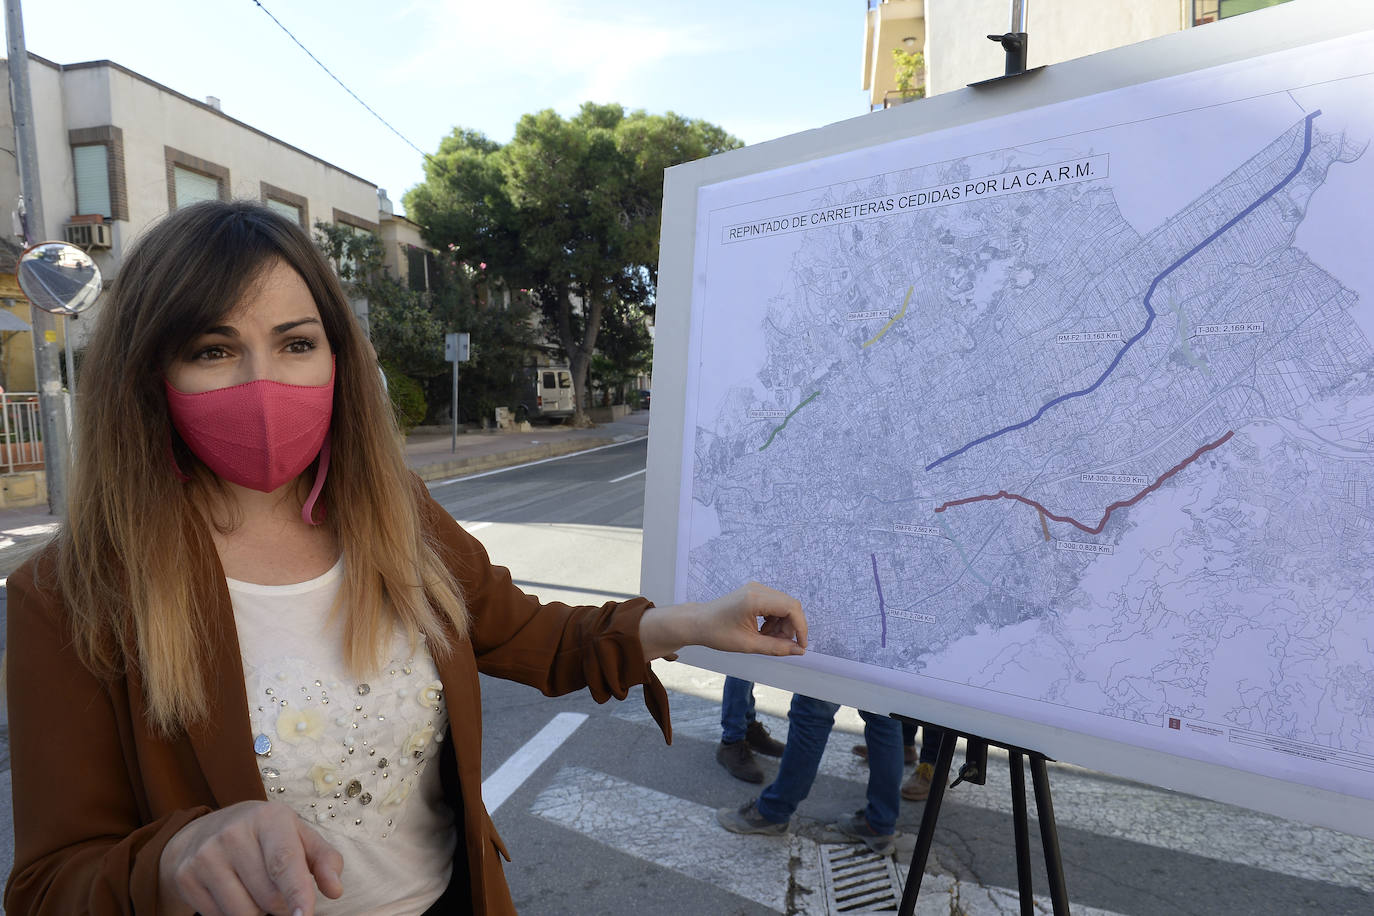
(602, 817)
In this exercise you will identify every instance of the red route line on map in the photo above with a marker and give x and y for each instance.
(1003, 494)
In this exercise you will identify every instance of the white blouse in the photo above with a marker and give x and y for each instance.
(352, 758)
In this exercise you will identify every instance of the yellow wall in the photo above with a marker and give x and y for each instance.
(17, 356)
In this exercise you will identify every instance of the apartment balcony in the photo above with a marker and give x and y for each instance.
(894, 97)
(891, 25)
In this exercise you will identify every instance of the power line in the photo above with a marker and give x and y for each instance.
(341, 82)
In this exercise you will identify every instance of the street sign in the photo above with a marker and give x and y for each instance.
(456, 347)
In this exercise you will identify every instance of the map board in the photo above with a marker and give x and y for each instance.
(1064, 419)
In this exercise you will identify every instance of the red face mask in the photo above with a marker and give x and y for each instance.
(260, 434)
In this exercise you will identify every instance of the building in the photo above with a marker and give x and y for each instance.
(117, 150)
(405, 255)
(952, 35)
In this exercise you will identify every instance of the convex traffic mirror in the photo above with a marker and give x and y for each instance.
(59, 278)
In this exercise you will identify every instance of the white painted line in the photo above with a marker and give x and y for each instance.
(628, 476)
(1098, 804)
(677, 834)
(683, 836)
(510, 775)
(29, 531)
(476, 526)
(530, 464)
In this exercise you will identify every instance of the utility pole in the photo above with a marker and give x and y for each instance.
(52, 409)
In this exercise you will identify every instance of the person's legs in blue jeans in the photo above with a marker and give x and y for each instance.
(736, 709)
(883, 735)
(917, 787)
(809, 724)
(930, 744)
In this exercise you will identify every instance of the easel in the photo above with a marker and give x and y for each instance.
(974, 771)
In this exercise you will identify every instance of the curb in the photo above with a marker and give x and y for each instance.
(461, 467)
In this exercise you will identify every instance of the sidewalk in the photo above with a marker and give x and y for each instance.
(429, 453)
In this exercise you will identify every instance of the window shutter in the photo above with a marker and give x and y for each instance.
(92, 179)
(193, 187)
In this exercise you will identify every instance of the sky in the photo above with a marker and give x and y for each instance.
(759, 68)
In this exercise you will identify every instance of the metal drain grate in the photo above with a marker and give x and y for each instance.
(859, 881)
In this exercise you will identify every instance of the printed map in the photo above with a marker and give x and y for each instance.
(1109, 470)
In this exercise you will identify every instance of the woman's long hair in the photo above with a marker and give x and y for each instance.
(137, 565)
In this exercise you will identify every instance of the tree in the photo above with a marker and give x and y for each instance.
(569, 209)
(407, 327)
(909, 68)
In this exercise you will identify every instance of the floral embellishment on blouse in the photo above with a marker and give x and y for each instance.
(430, 695)
(398, 793)
(297, 724)
(325, 777)
(415, 744)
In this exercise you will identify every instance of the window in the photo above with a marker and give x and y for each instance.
(1205, 11)
(357, 226)
(290, 211)
(98, 171)
(193, 187)
(564, 380)
(92, 168)
(191, 179)
(290, 205)
(422, 270)
(548, 380)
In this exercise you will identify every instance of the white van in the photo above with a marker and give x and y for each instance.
(549, 393)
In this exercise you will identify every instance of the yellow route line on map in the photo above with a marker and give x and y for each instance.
(894, 318)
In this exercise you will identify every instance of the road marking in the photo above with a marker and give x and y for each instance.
(476, 526)
(677, 834)
(685, 837)
(29, 531)
(530, 464)
(628, 476)
(1095, 803)
(510, 775)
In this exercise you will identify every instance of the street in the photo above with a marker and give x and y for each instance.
(601, 817)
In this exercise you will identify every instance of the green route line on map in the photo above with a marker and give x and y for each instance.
(783, 424)
(1183, 339)
(894, 319)
(968, 563)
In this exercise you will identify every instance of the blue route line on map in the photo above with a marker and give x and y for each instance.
(1150, 319)
(882, 609)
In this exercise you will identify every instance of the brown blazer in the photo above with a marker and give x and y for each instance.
(97, 794)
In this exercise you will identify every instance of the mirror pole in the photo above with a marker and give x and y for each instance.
(52, 410)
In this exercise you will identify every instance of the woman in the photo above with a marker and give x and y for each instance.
(246, 669)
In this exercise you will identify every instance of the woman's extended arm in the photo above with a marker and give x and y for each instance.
(729, 623)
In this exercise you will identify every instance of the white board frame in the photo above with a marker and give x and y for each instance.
(1289, 25)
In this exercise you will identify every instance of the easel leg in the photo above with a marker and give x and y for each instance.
(1021, 822)
(1049, 836)
(928, 818)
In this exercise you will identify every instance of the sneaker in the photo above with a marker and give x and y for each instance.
(856, 827)
(908, 753)
(760, 742)
(739, 761)
(917, 788)
(747, 819)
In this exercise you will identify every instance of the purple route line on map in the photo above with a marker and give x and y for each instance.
(882, 610)
(1149, 307)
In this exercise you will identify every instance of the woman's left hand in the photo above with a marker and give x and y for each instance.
(729, 623)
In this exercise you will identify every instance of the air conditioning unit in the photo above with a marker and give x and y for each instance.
(88, 235)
